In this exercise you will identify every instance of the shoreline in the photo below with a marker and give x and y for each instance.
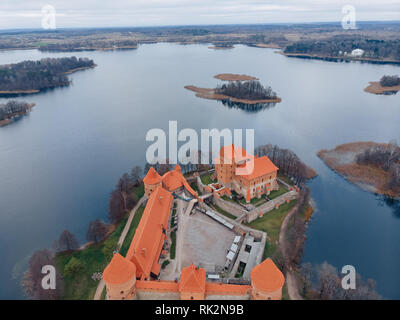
(210, 94)
(376, 88)
(6, 93)
(337, 58)
(341, 160)
(9, 120)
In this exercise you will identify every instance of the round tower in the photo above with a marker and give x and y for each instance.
(151, 181)
(266, 281)
(120, 278)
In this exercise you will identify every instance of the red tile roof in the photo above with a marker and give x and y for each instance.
(262, 167)
(193, 279)
(267, 277)
(147, 243)
(119, 270)
(152, 177)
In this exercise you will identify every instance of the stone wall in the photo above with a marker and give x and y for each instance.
(230, 207)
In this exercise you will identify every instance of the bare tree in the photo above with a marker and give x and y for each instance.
(97, 231)
(32, 280)
(66, 242)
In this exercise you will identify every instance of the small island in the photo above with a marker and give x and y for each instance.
(234, 77)
(12, 110)
(375, 167)
(249, 94)
(388, 85)
(29, 77)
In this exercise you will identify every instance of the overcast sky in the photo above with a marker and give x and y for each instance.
(109, 13)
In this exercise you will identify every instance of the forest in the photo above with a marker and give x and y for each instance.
(12, 108)
(386, 158)
(88, 45)
(38, 75)
(390, 81)
(287, 161)
(337, 45)
(249, 90)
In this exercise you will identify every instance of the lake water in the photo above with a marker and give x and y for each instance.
(59, 163)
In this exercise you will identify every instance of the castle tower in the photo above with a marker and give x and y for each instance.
(266, 281)
(120, 278)
(151, 181)
(193, 283)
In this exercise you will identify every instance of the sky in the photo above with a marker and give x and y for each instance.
(131, 13)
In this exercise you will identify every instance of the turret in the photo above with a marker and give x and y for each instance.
(120, 278)
(266, 281)
(151, 181)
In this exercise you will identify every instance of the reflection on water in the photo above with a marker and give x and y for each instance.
(254, 107)
(393, 204)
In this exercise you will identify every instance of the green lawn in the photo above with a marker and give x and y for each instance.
(173, 246)
(255, 201)
(285, 179)
(128, 239)
(276, 193)
(195, 188)
(95, 258)
(223, 212)
(139, 191)
(206, 179)
(271, 224)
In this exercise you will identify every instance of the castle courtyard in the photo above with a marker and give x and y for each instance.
(205, 242)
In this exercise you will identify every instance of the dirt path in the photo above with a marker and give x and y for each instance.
(290, 279)
(100, 287)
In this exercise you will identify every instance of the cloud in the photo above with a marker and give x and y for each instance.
(103, 13)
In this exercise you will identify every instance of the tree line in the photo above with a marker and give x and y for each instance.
(249, 90)
(390, 81)
(338, 45)
(87, 44)
(13, 107)
(324, 282)
(286, 160)
(385, 157)
(39, 75)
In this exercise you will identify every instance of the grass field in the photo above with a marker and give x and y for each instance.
(271, 223)
(128, 239)
(172, 252)
(206, 179)
(94, 258)
(276, 193)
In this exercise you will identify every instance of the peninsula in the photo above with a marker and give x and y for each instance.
(29, 77)
(12, 110)
(375, 167)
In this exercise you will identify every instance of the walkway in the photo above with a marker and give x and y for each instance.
(290, 279)
(101, 285)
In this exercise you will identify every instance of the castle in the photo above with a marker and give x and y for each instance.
(254, 181)
(136, 276)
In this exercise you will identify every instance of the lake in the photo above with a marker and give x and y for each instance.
(59, 164)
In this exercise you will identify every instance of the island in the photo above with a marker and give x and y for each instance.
(373, 166)
(12, 110)
(29, 77)
(388, 85)
(234, 77)
(249, 95)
